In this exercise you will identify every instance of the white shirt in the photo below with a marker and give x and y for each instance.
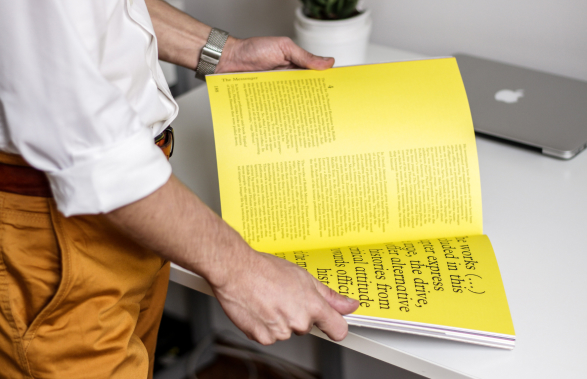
(81, 98)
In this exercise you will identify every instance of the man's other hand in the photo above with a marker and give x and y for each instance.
(269, 298)
(267, 53)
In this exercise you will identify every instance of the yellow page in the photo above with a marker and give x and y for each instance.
(453, 282)
(351, 155)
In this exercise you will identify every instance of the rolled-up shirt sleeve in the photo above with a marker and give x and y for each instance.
(65, 117)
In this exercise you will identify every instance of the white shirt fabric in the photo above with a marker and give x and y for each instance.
(81, 98)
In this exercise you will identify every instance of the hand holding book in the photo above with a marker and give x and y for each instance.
(269, 299)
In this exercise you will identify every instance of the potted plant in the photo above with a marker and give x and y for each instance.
(334, 28)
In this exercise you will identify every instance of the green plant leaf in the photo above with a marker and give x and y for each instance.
(349, 9)
(329, 9)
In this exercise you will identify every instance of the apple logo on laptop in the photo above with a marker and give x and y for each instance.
(509, 96)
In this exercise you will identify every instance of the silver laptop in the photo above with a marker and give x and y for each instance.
(533, 108)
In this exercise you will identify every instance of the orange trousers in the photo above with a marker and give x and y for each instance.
(77, 298)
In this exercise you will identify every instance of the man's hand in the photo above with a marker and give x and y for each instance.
(267, 53)
(180, 39)
(267, 297)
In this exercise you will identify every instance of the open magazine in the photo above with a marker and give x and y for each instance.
(367, 177)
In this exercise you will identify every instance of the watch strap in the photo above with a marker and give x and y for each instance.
(211, 53)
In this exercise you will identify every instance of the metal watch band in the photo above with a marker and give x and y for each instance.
(211, 53)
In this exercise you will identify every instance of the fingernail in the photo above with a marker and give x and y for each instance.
(350, 300)
(326, 58)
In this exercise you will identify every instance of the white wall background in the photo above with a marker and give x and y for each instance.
(550, 35)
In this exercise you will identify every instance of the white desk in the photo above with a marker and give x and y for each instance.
(535, 211)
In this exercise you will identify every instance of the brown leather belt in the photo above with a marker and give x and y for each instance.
(16, 176)
(24, 180)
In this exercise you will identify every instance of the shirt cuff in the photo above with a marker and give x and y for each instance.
(99, 182)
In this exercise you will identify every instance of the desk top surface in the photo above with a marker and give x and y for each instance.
(534, 213)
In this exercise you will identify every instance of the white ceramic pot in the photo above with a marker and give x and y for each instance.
(345, 40)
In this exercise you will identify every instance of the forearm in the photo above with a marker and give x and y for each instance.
(180, 37)
(177, 225)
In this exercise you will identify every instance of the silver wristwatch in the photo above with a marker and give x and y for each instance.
(211, 53)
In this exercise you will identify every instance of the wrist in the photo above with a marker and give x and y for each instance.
(224, 257)
(224, 271)
(211, 53)
(225, 62)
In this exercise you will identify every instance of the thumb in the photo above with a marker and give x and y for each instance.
(342, 304)
(305, 59)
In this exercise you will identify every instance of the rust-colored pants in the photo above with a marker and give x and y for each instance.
(77, 298)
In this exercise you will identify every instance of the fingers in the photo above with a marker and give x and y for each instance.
(325, 318)
(342, 304)
(269, 336)
(317, 311)
(304, 59)
(321, 314)
(328, 311)
(276, 298)
(268, 53)
(332, 323)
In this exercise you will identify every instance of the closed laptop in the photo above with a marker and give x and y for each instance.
(529, 107)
